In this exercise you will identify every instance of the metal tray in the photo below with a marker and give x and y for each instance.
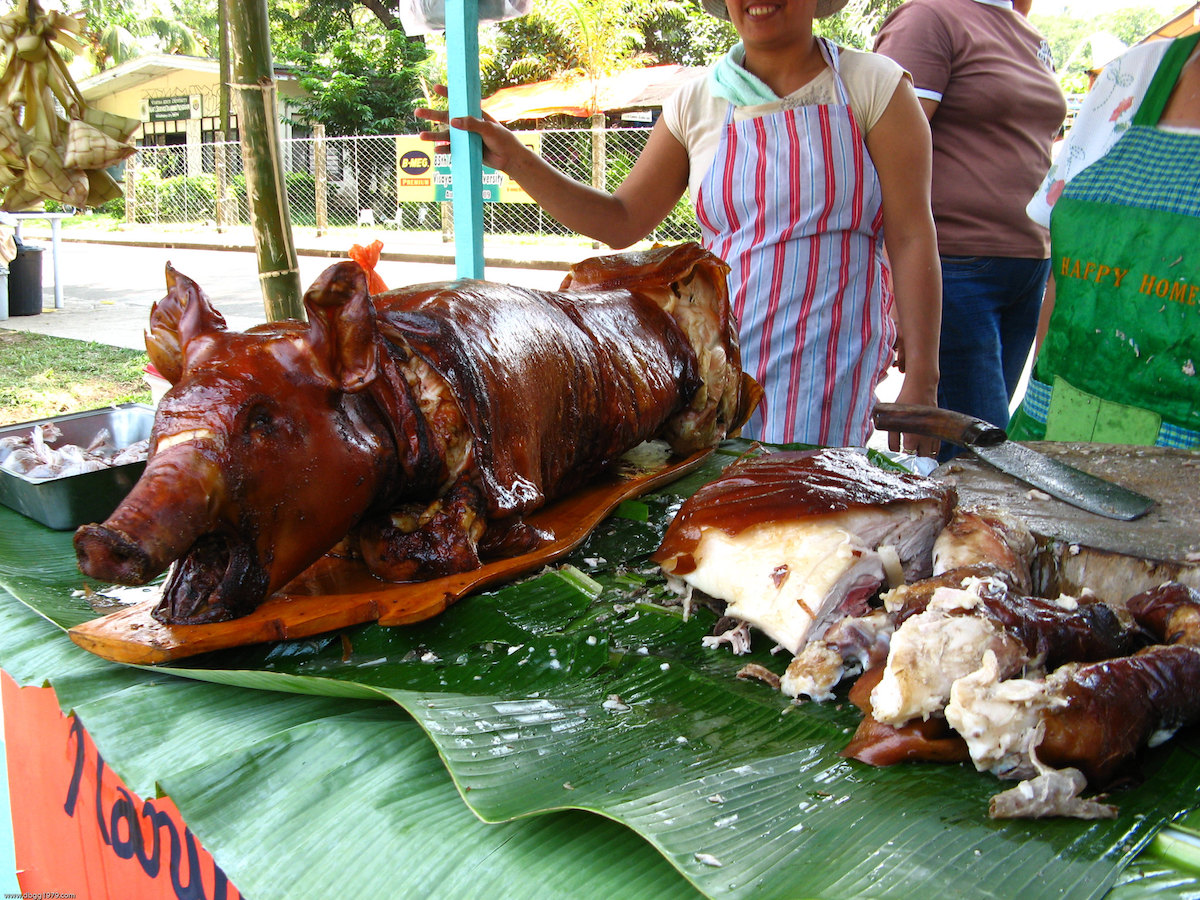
(63, 503)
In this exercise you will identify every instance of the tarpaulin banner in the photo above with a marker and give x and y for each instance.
(78, 831)
(497, 187)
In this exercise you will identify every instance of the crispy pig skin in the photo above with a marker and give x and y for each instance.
(796, 540)
(552, 387)
(1116, 707)
(1053, 635)
(921, 740)
(1169, 613)
(790, 486)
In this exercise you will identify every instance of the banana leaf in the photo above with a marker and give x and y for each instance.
(585, 688)
(299, 796)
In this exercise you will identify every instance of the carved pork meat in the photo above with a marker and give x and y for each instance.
(987, 537)
(949, 640)
(1095, 717)
(974, 546)
(795, 541)
(428, 420)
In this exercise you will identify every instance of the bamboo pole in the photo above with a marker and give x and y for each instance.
(254, 90)
(599, 158)
(131, 180)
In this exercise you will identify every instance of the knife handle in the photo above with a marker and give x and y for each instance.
(944, 424)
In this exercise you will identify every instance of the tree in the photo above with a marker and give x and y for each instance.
(682, 33)
(361, 72)
(363, 84)
(253, 68)
(856, 25)
(590, 37)
(557, 37)
(119, 30)
(1071, 39)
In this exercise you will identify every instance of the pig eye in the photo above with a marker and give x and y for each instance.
(261, 420)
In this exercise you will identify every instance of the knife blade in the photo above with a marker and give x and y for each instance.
(991, 444)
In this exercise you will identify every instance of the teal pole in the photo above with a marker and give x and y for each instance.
(466, 149)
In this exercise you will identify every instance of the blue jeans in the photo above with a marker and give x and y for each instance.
(990, 310)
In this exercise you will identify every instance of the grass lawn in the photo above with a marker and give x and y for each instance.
(43, 376)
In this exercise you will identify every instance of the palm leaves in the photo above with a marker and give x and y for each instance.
(120, 31)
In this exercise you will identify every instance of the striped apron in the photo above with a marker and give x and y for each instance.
(793, 204)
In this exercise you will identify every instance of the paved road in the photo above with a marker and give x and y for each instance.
(108, 290)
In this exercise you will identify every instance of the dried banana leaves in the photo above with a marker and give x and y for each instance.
(53, 146)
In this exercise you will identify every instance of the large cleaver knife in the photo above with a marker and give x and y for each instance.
(991, 444)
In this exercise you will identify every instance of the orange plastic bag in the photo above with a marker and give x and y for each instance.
(368, 258)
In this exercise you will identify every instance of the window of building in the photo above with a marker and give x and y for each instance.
(209, 126)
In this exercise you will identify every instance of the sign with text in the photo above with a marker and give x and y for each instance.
(414, 170)
(170, 109)
(78, 831)
(497, 187)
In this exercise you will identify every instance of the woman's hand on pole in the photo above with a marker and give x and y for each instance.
(500, 145)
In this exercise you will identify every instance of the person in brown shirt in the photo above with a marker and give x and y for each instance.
(985, 78)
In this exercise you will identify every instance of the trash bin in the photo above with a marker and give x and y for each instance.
(3, 292)
(25, 281)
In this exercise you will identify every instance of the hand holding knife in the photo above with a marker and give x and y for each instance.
(991, 444)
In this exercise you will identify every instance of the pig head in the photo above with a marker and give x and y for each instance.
(268, 447)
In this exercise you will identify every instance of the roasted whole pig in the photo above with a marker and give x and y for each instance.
(423, 423)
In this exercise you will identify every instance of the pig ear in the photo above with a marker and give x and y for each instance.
(183, 314)
(341, 326)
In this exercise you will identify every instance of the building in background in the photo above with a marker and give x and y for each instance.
(177, 99)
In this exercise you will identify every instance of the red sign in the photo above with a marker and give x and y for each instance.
(78, 831)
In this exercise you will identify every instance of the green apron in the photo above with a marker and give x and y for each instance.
(1120, 358)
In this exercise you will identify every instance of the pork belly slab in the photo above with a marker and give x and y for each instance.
(797, 540)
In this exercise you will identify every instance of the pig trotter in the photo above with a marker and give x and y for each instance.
(218, 579)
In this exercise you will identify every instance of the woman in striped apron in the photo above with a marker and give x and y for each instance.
(800, 157)
(1118, 363)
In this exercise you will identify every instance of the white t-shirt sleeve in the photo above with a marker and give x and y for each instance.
(1106, 114)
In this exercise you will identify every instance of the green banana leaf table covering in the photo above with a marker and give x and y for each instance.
(563, 736)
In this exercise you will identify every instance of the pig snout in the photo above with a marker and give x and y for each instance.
(108, 554)
(167, 510)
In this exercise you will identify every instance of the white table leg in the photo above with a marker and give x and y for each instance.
(58, 293)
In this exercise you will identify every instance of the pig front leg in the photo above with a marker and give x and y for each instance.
(417, 541)
(421, 541)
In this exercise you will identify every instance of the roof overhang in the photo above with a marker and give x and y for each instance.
(580, 96)
(142, 69)
(1186, 22)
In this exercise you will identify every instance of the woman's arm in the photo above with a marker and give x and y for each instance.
(1044, 314)
(646, 196)
(902, 151)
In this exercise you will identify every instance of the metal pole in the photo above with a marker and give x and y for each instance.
(466, 149)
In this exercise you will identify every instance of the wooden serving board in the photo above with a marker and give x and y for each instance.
(336, 592)
(1112, 558)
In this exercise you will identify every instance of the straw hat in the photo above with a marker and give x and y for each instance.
(824, 8)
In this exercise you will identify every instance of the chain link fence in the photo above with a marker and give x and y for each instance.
(334, 182)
